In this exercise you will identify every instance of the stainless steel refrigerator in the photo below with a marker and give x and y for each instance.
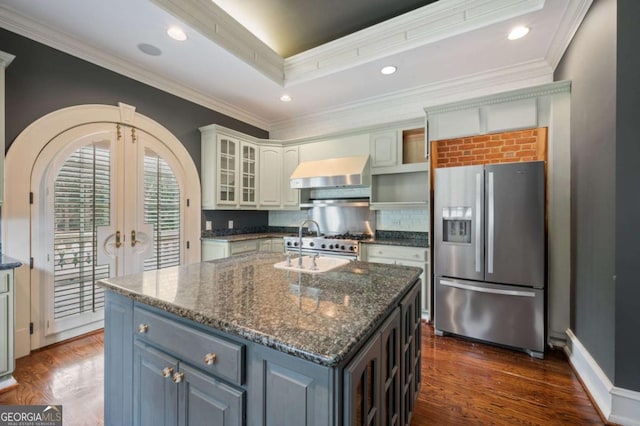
(489, 240)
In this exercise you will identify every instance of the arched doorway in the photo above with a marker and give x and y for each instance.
(111, 192)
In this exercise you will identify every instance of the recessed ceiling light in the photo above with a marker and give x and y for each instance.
(285, 98)
(390, 69)
(518, 32)
(176, 34)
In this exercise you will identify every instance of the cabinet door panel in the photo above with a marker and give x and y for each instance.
(384, 149)
(290, 197)
(206, 401)
(362, 385)
(5, 353)
(155, 396)
(118, 352)
(270, 176)
(286, 390)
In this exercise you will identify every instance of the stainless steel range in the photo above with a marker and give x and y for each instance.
(344, 245)
(342, 224)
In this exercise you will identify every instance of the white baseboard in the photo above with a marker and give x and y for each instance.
(618, 405)
(7, 382)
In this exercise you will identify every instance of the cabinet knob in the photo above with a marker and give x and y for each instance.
(177, 378)
(143, 328)
(210, 358)
(167, 372)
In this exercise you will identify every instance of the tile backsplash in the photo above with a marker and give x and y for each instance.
(411, 220)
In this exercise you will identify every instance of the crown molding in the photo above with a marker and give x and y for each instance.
(411, 104)
(571, 20)
(420, 27)
(213, 22)
(42, 33)
(502, 97)
(5, 59)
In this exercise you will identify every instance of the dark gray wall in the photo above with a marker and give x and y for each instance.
(41, 80)
(590, 63)
(627, 318)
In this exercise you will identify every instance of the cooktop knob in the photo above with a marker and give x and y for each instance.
(341, 247)
(351, 248)
(289, 243)
(323, 246)
(311, 244)
(330, 246)
(295, 244)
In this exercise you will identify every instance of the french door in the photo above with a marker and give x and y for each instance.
(109, 203)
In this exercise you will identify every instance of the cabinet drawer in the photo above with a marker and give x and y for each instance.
(192, 345)
(397, 252)
(239, 247)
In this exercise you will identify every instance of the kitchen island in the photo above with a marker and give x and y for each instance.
(237, 341)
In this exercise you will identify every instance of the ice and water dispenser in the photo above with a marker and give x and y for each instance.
(456, 224)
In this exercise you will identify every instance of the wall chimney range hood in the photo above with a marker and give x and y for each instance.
(331, 173)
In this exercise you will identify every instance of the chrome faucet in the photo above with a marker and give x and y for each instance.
(300, 238)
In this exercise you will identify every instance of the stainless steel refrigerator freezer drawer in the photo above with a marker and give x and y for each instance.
(503, 314)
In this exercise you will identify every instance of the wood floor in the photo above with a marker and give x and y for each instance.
(463, 383)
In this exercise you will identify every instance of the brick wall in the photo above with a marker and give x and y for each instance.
(508, 147)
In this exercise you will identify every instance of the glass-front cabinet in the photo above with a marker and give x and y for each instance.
(236, 172)
(248, 174)
(227, 170)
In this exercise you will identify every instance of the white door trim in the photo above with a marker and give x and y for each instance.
(16, 231)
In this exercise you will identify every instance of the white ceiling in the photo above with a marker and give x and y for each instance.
(248, 83)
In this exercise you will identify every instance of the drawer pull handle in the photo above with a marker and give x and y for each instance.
(167, 372)
(210, 358)
(143, 328)
(177, 378)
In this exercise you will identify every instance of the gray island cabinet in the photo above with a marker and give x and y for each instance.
(237, 341)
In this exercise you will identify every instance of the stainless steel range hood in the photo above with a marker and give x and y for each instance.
(334, 172)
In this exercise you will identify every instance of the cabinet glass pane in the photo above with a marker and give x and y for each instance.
(232, 148)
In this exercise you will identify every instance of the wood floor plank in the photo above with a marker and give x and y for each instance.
(464, 383)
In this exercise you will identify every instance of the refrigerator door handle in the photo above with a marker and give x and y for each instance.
(487, 290)
(490, 223)
(478, 220)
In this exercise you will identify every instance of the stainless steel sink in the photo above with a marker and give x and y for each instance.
(323, 264)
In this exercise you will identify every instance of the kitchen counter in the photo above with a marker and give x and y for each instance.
(321, 318)
(7, 262)
(406, 242)
(245, 237)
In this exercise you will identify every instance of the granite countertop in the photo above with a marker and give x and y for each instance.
(244, 237)
(317, 317)
(7, 262)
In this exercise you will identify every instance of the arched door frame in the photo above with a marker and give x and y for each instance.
(16, 211)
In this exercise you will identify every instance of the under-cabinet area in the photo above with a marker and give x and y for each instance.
(237, 341)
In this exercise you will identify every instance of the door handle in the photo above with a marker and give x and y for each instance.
(488, 290)
(490, 224)
(133, 238)
(118, 242)
(478, 222)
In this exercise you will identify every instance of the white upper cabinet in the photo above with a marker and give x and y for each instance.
(398, 150)
(239, 171)
(291, 158)
(271, 173)
(248, 174)
(229, 170)
(384, 148)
